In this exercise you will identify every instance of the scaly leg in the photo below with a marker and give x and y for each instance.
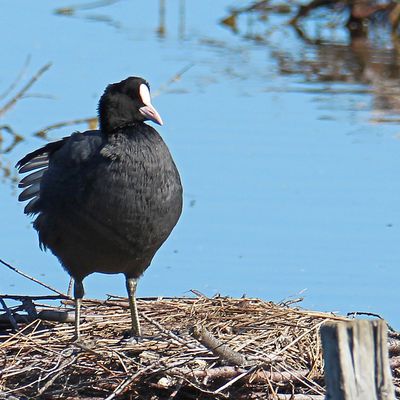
(131, 284)
(70, 286)
(78, 294)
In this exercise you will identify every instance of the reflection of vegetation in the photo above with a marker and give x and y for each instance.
(261, 7)
(13, 137)
(72, 11)
(10, 101)
(326, 60)
(357, 63)
(360, 12)
(161, 30)
(22, 92)
(14, 99)
(42, 133)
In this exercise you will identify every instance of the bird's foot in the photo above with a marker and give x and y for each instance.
(130, 338)
(84, 344)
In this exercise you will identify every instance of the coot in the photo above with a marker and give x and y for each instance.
(106, 199)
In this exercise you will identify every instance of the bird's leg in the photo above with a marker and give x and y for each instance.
(131, 284)
(70, 285)
(78, 294)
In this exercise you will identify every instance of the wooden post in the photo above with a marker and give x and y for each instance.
(356, 361)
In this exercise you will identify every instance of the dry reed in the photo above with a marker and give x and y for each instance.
(193, 348)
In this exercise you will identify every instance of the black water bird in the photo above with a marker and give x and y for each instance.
(106, 199)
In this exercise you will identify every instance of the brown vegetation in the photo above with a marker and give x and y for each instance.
(195, 348)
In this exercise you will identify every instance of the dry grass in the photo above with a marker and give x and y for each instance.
(188, 352)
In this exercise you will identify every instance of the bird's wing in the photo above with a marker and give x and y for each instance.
(36, 163)
(75, 148)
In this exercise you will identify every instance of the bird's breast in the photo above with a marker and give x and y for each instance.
(133, 195)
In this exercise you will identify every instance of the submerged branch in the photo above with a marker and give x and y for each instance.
(17, 79)
(42, 133)
(22, 92)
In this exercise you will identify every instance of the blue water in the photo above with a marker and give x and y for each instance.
(291, 186)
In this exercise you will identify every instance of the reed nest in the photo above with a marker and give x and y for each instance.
(192, 348)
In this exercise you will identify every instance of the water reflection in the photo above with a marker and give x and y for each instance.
(272, 205)
(328, 55)
(77, 10)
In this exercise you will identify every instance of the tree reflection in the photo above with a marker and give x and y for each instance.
(355, 58)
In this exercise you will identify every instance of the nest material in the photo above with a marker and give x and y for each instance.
(192, 349)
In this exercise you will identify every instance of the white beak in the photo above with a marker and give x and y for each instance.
(151, 114)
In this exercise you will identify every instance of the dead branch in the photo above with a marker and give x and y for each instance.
(260, 376)
(39, 297)
(9, 315)
(221, 350)
(31, 278)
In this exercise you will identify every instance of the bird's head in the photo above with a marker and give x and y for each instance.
(126, 103)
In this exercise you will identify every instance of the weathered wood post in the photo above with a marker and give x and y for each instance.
(356, 361)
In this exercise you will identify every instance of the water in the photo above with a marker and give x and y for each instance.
(290, 172)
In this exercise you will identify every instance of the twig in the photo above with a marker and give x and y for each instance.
(300, 397)
(394, 362)
(56, 316)
(60, 371)
(17, 79)
(177, 389)
(21, 93)
(317, 326)
(234, 380)
(223, 351)
(23, 297)
(175, 78)
(43, 132)
(119, 389)
(394, 347)
(20, 333)
(30, 308)
(10, 316)
(16, 137)
(197, 293)
(233, 372)
(19, 319)
(368, 314)
(168, 333)
(31, 278)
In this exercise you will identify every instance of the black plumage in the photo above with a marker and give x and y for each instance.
(106, 199)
